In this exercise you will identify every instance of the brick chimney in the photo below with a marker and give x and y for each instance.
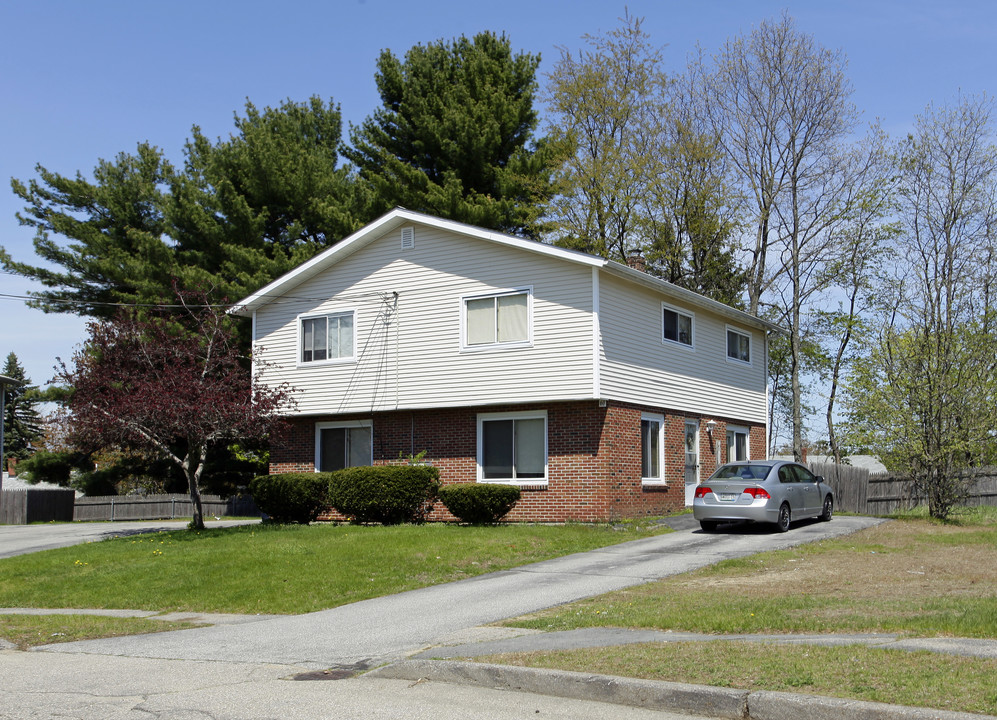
(635, 259)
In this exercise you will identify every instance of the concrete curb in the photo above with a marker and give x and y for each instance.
(713, 702)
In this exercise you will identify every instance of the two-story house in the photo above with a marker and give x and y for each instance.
(602, 391)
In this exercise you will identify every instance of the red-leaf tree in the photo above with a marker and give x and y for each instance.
(170, 383)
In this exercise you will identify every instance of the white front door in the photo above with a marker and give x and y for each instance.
(691, 460)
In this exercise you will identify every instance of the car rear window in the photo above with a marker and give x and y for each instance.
(742, 472)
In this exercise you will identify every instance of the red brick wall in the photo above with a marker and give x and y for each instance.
(593, 457)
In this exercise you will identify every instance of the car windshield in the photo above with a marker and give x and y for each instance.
(742, 472)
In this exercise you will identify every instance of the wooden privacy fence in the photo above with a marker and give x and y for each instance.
(859, 491)
(159, 507)
(20, 507)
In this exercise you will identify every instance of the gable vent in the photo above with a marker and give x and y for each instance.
(408, 238)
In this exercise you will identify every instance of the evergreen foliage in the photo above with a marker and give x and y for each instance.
(240, 212)
(453, 135)
(21, 421)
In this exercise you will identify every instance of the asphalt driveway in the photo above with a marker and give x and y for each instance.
(389, 628)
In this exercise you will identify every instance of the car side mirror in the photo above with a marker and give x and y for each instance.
(818, 479)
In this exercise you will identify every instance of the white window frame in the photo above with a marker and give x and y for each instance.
(479, 347)
(660, 419)
(737, 430)
(299, 349)
(691, 345)
(742, 333)
(335, 425)
(520, 415)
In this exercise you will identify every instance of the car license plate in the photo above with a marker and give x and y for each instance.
(728, 496)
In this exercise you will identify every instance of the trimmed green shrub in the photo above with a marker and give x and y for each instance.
(387, 494)
(478, 503)
(291, 497)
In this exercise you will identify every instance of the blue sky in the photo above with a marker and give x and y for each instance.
(83, 80)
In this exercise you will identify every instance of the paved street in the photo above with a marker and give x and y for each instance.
(82, 687)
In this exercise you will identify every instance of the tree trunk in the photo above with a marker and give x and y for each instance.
(193, 466)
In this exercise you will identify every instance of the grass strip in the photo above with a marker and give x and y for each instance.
(26, 631)
(919, 679)
(284, 569)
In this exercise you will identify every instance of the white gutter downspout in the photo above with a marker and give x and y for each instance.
(768, 405)
(596, 338)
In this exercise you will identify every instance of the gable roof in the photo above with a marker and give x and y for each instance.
(400, 216)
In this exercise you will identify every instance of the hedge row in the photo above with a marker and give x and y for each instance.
(387, 494)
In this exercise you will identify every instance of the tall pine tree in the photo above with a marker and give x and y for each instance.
(22, 424)
(238, 213)
(454, 135)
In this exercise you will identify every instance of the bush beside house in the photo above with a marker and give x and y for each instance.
(291, 497)
(477, 504)
(388, 494)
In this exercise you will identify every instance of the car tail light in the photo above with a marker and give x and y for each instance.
(702, 490)
(758, 493)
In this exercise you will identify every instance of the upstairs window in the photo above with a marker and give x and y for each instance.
(327, 337)
(738, 346)
(501, 319)
(677, 326)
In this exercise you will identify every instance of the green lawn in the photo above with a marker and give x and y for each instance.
(283, 569)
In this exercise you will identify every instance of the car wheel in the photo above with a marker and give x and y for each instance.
(782, 524)
(828, 509)
(708, 525)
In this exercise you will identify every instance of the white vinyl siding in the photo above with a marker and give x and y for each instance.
(408, 348)
(637, 366)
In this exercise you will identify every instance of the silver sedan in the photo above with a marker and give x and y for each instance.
(769, 491)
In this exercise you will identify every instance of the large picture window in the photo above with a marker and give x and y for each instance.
(500, 319)
(677, 326)
(327, 337)
(652, 446)
(512, 447)
(340, 445)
